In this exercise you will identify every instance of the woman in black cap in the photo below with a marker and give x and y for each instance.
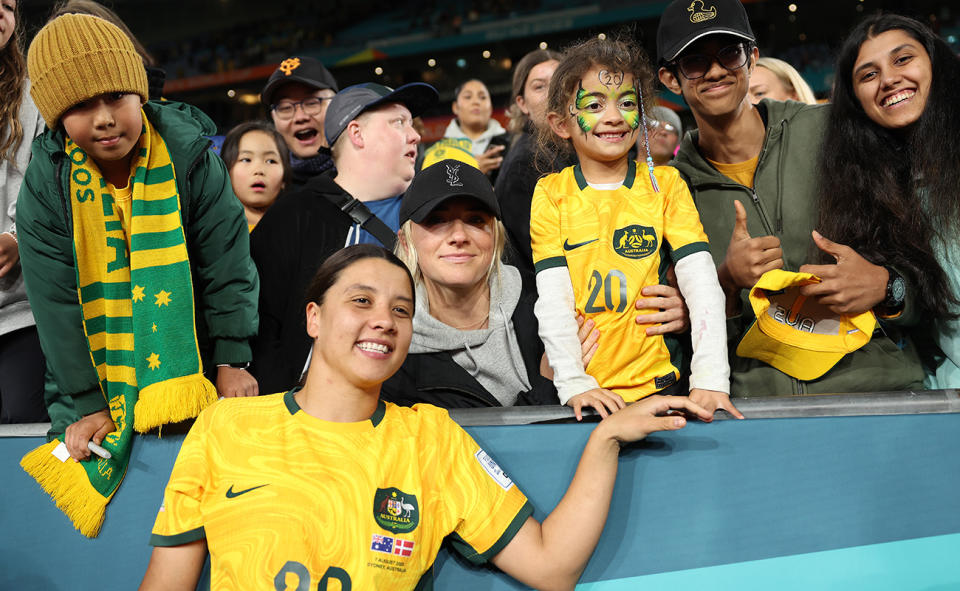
(475, 339)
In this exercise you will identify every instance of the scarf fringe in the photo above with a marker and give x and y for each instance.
(68, 485)
(172, 401)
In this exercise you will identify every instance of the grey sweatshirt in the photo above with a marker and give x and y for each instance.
(14, 309)
(491, 355)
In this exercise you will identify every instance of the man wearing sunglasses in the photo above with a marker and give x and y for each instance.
(297, 94)
(752, 171)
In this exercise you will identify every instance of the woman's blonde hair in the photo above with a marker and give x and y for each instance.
(790, 77)
(408, 254)
(13, 73)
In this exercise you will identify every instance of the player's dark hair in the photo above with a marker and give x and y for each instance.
(891, 194)
(331, 269)
(619, 54)
(230, 149)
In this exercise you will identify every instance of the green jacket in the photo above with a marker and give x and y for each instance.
(783, 203)
(224, 277)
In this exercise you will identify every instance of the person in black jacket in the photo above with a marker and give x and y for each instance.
(475, 337)
(374, 147)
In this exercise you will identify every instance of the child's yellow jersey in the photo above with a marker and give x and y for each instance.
(614, 243)
(288, 501)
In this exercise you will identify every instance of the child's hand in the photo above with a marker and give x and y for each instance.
(93, 427)
(671, 310)
(653, 413)
(589, 339)
(600, 399)
(233, 382)
(9, 253)
(711, 400)
(491, 159)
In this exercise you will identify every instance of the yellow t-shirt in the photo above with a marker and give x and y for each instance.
(280, 495)
(614, 243)
(738, 172)
(122, 203)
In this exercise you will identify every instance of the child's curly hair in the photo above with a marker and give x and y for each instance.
(621, 54)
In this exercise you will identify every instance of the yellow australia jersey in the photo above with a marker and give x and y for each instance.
(614, 243)
(288, 501)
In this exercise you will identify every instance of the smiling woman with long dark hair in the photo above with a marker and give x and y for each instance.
(890, 188)
(329, 482)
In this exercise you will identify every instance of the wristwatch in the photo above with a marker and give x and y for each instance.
(896, 292)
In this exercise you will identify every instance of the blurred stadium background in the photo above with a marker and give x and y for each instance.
(218, 53)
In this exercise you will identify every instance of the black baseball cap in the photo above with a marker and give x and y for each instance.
(353, 100)
(441, 181)
(305, 70)
(684, 22)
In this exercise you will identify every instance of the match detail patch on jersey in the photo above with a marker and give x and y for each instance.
(395, 510)
(494, 470)
(635, 241)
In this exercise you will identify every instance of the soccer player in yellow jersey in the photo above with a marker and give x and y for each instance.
(327, 487)
(603, 229)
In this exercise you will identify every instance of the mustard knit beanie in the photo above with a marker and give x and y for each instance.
(76, 57)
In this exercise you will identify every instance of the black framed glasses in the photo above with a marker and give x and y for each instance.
(696, 65)
(311, 106)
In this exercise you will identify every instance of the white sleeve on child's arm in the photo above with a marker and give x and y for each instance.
(697, 278)
(558, 331)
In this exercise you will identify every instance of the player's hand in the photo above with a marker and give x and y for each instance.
(748, 258)
(711, 400)
(491, 159)
(851, 286)
(93, 427)
(589, 339)
(602, 400)
(234, 382)
(670, 315)
(9, 253)
(651, 414)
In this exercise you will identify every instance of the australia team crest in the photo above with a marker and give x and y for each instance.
(635, 242)
(395, 510)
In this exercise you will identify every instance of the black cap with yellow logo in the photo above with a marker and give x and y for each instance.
(305, 70)
(684, 22)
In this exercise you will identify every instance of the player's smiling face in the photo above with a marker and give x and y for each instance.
(362, 328)
(602, 116)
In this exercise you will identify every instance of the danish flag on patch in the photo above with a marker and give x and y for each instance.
(402, 547)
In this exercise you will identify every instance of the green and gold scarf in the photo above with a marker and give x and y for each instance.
(136, 293)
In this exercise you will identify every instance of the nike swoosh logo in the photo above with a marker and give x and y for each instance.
(231, 494)
(568, 246)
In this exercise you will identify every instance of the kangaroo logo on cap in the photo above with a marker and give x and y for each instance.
(288, 65)
(698, 16)
(453, 175)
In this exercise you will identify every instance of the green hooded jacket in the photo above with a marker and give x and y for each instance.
(224, 277)
(783, 203)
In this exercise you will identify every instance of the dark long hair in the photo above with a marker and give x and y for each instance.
(874, 179)
(230, 149)
(519, 119)
(331, 269)
(13, 72)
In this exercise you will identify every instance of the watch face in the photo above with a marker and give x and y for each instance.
(898, 289)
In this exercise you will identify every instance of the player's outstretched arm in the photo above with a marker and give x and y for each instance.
(175, 568)
(552, 555)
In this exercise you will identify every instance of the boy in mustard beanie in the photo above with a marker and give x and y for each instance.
(136, 260)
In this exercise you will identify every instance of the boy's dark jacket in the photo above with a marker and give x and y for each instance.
(783, 203)
(225, 282)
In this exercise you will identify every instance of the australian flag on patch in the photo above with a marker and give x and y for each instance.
(382, 544)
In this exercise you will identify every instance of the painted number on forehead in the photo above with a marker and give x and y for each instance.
(609, 79)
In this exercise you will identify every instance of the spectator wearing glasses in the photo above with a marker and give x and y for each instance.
(297, 94)
(664, 130)
(753, 174)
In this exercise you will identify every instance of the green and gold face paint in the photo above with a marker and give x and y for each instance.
(591, 102)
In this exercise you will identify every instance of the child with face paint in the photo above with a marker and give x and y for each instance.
(605, 228)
